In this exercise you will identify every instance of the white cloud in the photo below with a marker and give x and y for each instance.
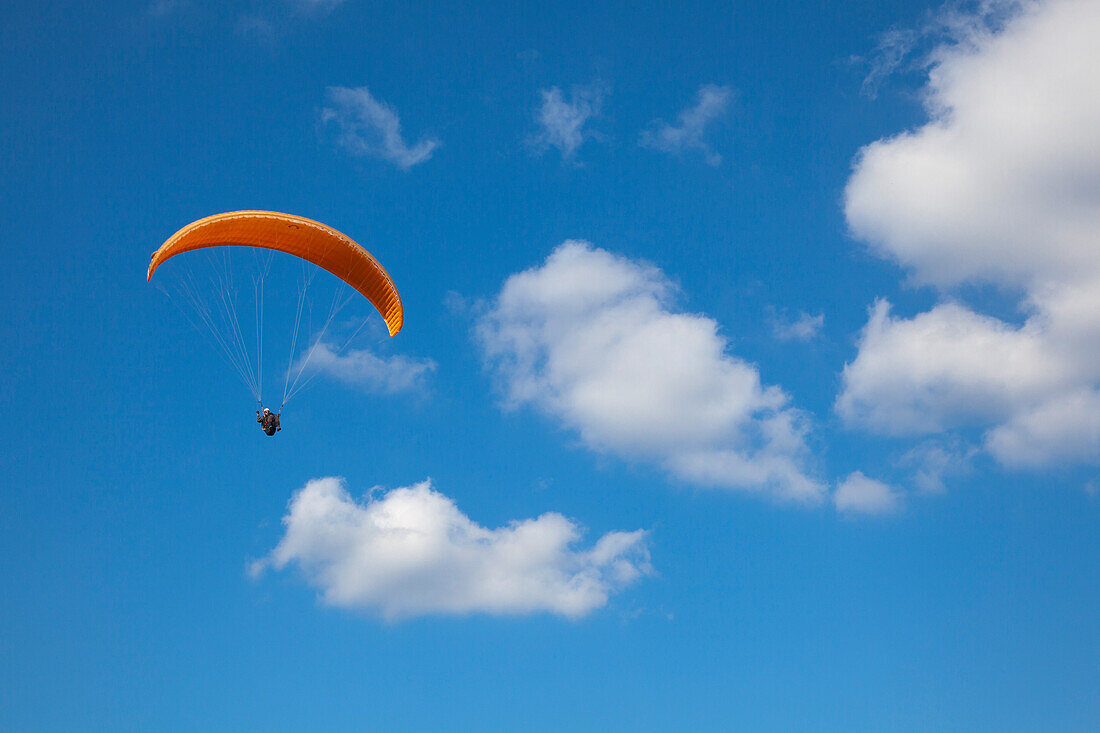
(942, 369)
(258, 27)
(1064, 428)
(711, 102)
(957, 22)
(562, 122)
(1002, 185)
(1003, 182)
(802, 327)
(162, 8)
(892, 49)
(590, 338)
(933, 462)
(369, 127)
(412, 552)
(860, 494)
(270, 22)
(370, 372)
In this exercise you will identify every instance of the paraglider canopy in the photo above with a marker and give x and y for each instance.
(208, 296)
(296, 235)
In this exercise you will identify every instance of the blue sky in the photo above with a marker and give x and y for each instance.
(748, 378)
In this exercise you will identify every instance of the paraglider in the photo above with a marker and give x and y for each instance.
(214, 302)
(269, 421)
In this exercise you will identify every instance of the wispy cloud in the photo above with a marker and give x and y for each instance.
(957, 25)
(372, 373)
(688, 133)
(258, 27)
(317, 4)
(859, 494)
(562, 121)
(163, 8)
(933, 462)
(893, 48)
(802, 327)
(591, 339)
(270, 22)
(369, 127)
(412, 552)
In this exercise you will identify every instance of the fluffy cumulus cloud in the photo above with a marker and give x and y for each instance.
(369, 127)
(1002, 183)
(1001, 186)
(372, 373)
(859, 494)
(592, 339)
(1064, 428)
(562, 122)
(412, 552)
(689, 131)
(945, 368)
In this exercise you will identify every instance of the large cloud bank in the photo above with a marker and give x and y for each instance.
(412, 552)
(1001, 186)
(591, 339)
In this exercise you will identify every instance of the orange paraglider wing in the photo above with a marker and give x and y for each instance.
(296, 235)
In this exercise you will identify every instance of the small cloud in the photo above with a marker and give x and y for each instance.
(955, 26)
(893, 47)
(802, 327)
(562, 121)
(412, 552)
(258, 27)
(935, 461)
(456, 303)
(863, 495)
(372, 373)
(163, 8)
(711, 102)
(274, 21)
(369, 127)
